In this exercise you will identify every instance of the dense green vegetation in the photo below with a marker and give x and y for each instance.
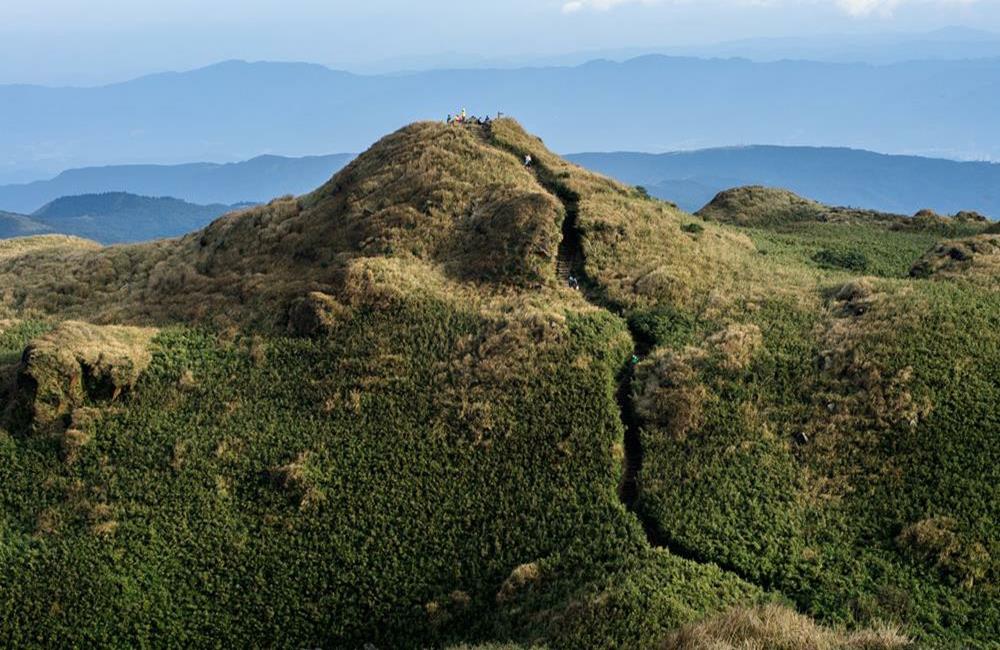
(898, 433)
(291, 465)
(885, 253)
(374, 414)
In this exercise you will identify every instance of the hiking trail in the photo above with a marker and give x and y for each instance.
(570, 261)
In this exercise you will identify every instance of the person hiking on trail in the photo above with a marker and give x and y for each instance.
(573, 282)
(635, 359)
(462, 116)
(527, 160)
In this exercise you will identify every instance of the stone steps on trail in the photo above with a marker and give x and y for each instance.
(564, 269)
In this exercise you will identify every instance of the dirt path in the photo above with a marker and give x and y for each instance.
(570, 261)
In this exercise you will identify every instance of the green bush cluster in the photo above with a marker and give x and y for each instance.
(850, 260)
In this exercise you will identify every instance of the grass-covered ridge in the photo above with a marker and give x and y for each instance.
(428, 193)
(372, 414)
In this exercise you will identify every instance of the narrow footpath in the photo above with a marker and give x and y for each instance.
(570, 262)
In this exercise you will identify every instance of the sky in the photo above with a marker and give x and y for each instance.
(87, 42)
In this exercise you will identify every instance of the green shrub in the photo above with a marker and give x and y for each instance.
(850, 260)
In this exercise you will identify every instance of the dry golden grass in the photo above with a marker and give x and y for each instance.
(637, 250)
(429, 206)
(436, 196)
(774, 627)
(669, 392)
(757, 205)
(77, 362)
(520, 578)
(20, 245)
(735, 345)
(975, 260)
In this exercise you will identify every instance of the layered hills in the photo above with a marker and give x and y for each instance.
(597, 106)
(256, 180)
(377, 413)
(901, 184)
(117, 217)
(20, 225)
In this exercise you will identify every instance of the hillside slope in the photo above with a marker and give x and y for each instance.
(19, 225)
(377, 414)
(118, 217)
(256, 180)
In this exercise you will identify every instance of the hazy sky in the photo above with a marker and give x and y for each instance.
(94, 41)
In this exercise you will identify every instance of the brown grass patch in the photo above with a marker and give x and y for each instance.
(669, 392)
(78, 363)
(734, 346)
(974, 259)
(774, 627)
(936, 541)
(522, 577)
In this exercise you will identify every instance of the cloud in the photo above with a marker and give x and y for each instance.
(886, 7)
(867, 7)
(857, 8)
(599, 5)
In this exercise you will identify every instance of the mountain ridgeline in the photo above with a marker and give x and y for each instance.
(256, 180)
(900, 184)
(651, 102)
(378, 414)
(117, 217)
(20, 225)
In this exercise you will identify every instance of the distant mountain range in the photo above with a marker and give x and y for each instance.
(256, 180)
(19, 225)
(950, 43)
(113, 217)
(234, 110)
(900, 184)
(947, 44)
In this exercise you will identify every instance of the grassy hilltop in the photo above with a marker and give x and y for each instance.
(376, 414)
